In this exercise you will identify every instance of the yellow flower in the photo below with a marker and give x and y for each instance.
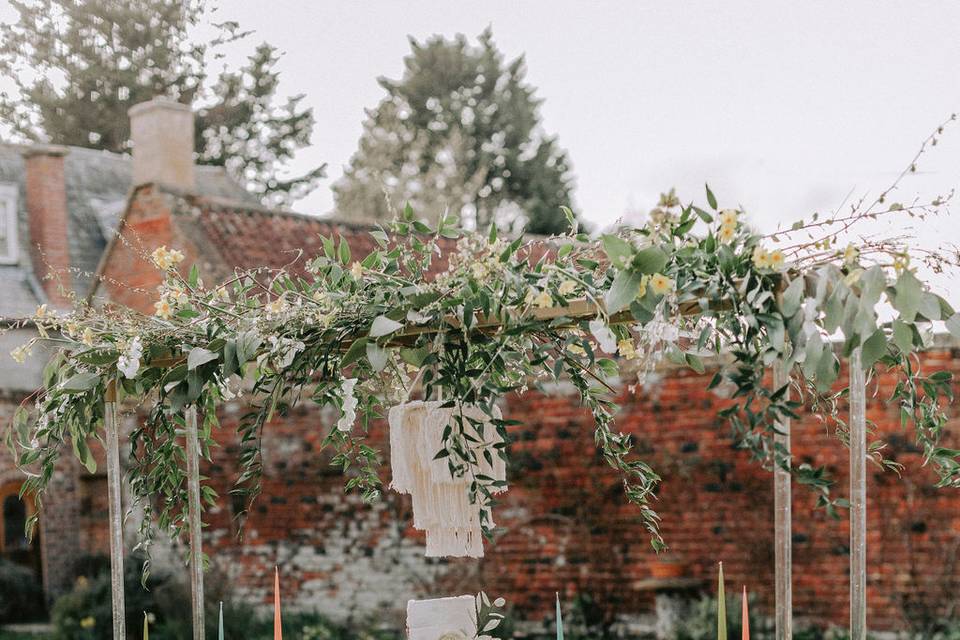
(727, 232)
(901, 263)
(728, 217)
(162, 308)
(20, 353)
(166, 258)
(479, 270)
(88, 623)
(87, 337)
(776, 259)
(576, 349)
(642, 291)
(41, 311)
(567, 287)
(761, 258)
(543, 300)
(850, 254)
(660, 284)
(221, 294)
(72, 328)
(627, 349)
(356, 270)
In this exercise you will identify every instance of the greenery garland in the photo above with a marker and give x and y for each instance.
(504, 315)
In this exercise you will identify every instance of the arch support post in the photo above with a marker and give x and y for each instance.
(195, 524)
(858, 498)
(783, 521)
(112, 445)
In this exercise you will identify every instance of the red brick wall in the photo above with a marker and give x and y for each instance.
(567, 527)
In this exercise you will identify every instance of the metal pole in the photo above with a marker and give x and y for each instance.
(116, 515)
(782, 524)
(858, 498)
(193, 507)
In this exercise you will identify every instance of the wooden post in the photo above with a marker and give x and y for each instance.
(112, 444)
(858, 498)
(195, 524)
(782, 524)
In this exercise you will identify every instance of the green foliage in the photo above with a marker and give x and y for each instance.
(21, 594)
(78, 68)
(459, 131)
(359, 334)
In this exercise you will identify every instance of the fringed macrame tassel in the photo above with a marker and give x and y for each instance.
(433, 619)
(455, 543)
(441, 500)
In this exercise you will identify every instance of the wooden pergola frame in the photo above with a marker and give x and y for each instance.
(577, 310)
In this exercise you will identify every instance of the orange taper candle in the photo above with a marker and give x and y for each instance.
(277, 627)
(746, 615)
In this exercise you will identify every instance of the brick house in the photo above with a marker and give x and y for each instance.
(566, 525)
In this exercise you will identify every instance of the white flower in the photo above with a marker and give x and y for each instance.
(349, 408)
(567, 287)
(603, 335)
(129, 362)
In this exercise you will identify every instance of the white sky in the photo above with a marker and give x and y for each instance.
(783, 107)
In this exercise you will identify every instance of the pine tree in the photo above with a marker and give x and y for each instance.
(79, 66)
(459, 132)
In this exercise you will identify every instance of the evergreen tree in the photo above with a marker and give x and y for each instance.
(79, 66)
(460, 131)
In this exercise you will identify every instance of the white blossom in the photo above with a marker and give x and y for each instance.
(349, 407)
(129, 361)
(604, 336)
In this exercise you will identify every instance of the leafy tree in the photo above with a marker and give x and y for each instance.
(460, 131)
(79, 66)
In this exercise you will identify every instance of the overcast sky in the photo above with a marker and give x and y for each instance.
(783, 107)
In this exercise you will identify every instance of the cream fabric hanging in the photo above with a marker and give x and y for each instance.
(441, 501)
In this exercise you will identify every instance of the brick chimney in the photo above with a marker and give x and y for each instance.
(47, 216)
(162, 135)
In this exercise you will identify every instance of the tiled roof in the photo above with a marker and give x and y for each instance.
(246, 237)
(97, 185)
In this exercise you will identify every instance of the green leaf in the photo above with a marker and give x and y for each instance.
(909, 292)
(902, 336)
(711, 199)
(81, 382)
(382, 325)
(873, 349)
(792, 298)
(356, 350)
(194, 277)
(929, 306)
(623, 291)
(414, 357)
(344, 251)
(694, 362)
(650, 260)
(199, 356)
(953, 325)
(377, 356)
(618, 250)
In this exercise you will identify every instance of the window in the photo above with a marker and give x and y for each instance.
(8, 224)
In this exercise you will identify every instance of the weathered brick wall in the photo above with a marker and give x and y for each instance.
(568, 528)
(566, 525)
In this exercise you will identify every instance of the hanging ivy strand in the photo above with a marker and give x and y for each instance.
(466, 318)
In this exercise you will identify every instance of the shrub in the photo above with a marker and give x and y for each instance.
(21, 594)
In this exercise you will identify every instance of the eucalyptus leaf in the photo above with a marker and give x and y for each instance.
(623, 291)
(382, 326)
(199, 356)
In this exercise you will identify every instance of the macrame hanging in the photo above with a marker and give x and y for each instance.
(441, 618)
(441, 500)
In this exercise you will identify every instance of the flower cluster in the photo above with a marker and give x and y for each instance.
(166, 259)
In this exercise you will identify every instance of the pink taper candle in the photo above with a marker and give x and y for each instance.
(277, 627)
(746, 615)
